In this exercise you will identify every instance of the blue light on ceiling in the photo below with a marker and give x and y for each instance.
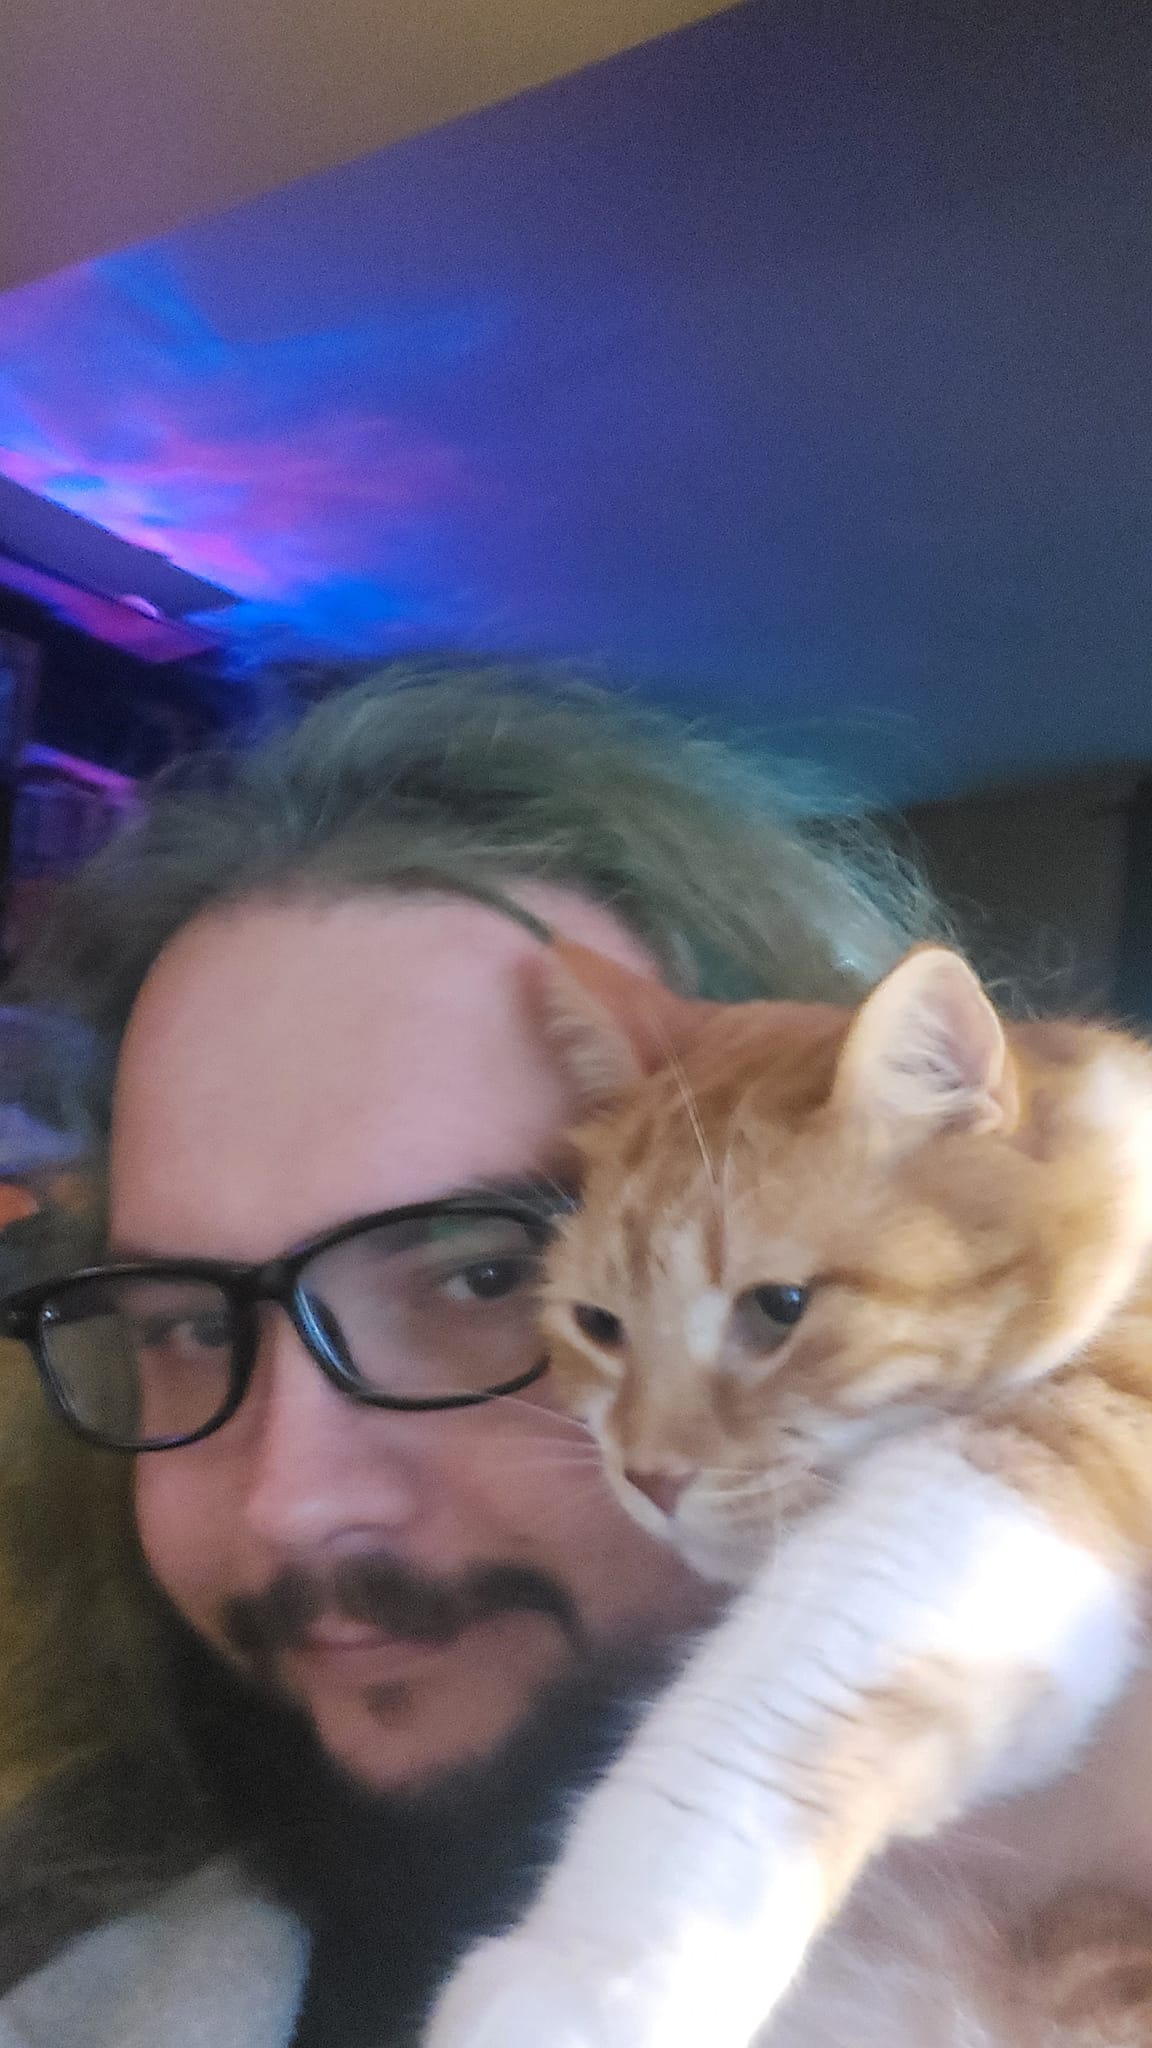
(253, 462)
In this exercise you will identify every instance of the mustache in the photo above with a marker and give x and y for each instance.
(380, 1593)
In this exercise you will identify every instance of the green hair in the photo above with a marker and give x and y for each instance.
(472, 780)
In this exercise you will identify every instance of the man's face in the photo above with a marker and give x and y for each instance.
(290, 1066)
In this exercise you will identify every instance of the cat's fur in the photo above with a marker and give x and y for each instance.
(928, 1467)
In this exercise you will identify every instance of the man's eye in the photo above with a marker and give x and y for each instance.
(487, 1280)
(184, 1333)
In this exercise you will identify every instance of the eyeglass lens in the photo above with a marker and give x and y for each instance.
(425, 1309)
(136, 1360)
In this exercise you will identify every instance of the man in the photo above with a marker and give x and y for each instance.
(389, 1617)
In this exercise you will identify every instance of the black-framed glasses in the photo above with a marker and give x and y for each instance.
(429, 1306)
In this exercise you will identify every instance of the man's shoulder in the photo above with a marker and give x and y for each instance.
(209, 1959)
(92, 1842)
(118, 1900)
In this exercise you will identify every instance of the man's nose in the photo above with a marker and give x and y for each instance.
(323, 1470)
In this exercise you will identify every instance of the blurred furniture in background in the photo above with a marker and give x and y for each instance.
(64, 811)
(19, 678)
(45, 1059)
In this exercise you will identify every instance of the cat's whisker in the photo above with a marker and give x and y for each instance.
(523, 1459)
(688, 1098)
(738, 1481)
(750, 1500)
(582, 1482)
(571, 1456)
(754, 1483)
(556, 1418)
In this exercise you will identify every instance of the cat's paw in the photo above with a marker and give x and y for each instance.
(520, 1992)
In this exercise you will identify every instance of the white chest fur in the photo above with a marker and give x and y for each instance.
(698, 1874)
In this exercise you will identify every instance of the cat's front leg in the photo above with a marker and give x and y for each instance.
(686, 1882)
(699, 1980)
(928, 1637)
(526, 1990)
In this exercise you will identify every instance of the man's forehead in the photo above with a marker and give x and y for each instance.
(290, 1064)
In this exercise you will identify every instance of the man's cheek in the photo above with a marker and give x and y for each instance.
(185, 1551)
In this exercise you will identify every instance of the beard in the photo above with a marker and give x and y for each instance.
(392, 1888)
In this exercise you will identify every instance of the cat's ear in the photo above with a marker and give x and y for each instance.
(927, 1052)
(608, 1025)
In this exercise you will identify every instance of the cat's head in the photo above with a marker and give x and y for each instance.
(803, 1227)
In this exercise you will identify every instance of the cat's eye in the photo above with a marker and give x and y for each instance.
(598, 1323)
(769, 1312)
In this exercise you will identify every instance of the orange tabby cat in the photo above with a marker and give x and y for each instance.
(858, 1307)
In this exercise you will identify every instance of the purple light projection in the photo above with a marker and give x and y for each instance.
(238, 458)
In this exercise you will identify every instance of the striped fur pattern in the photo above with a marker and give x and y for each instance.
(858, 1308)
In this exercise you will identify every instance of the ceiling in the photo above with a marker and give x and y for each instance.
(125, 119)
(796, 365)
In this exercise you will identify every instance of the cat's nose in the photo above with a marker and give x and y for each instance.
(663, 1489)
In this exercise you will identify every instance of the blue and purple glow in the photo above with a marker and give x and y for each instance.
(238, 460)
(796, 368)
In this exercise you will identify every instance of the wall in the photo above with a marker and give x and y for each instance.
(1039, 878)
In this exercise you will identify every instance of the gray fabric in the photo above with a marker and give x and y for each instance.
(100, 1841)
(210, 1963)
